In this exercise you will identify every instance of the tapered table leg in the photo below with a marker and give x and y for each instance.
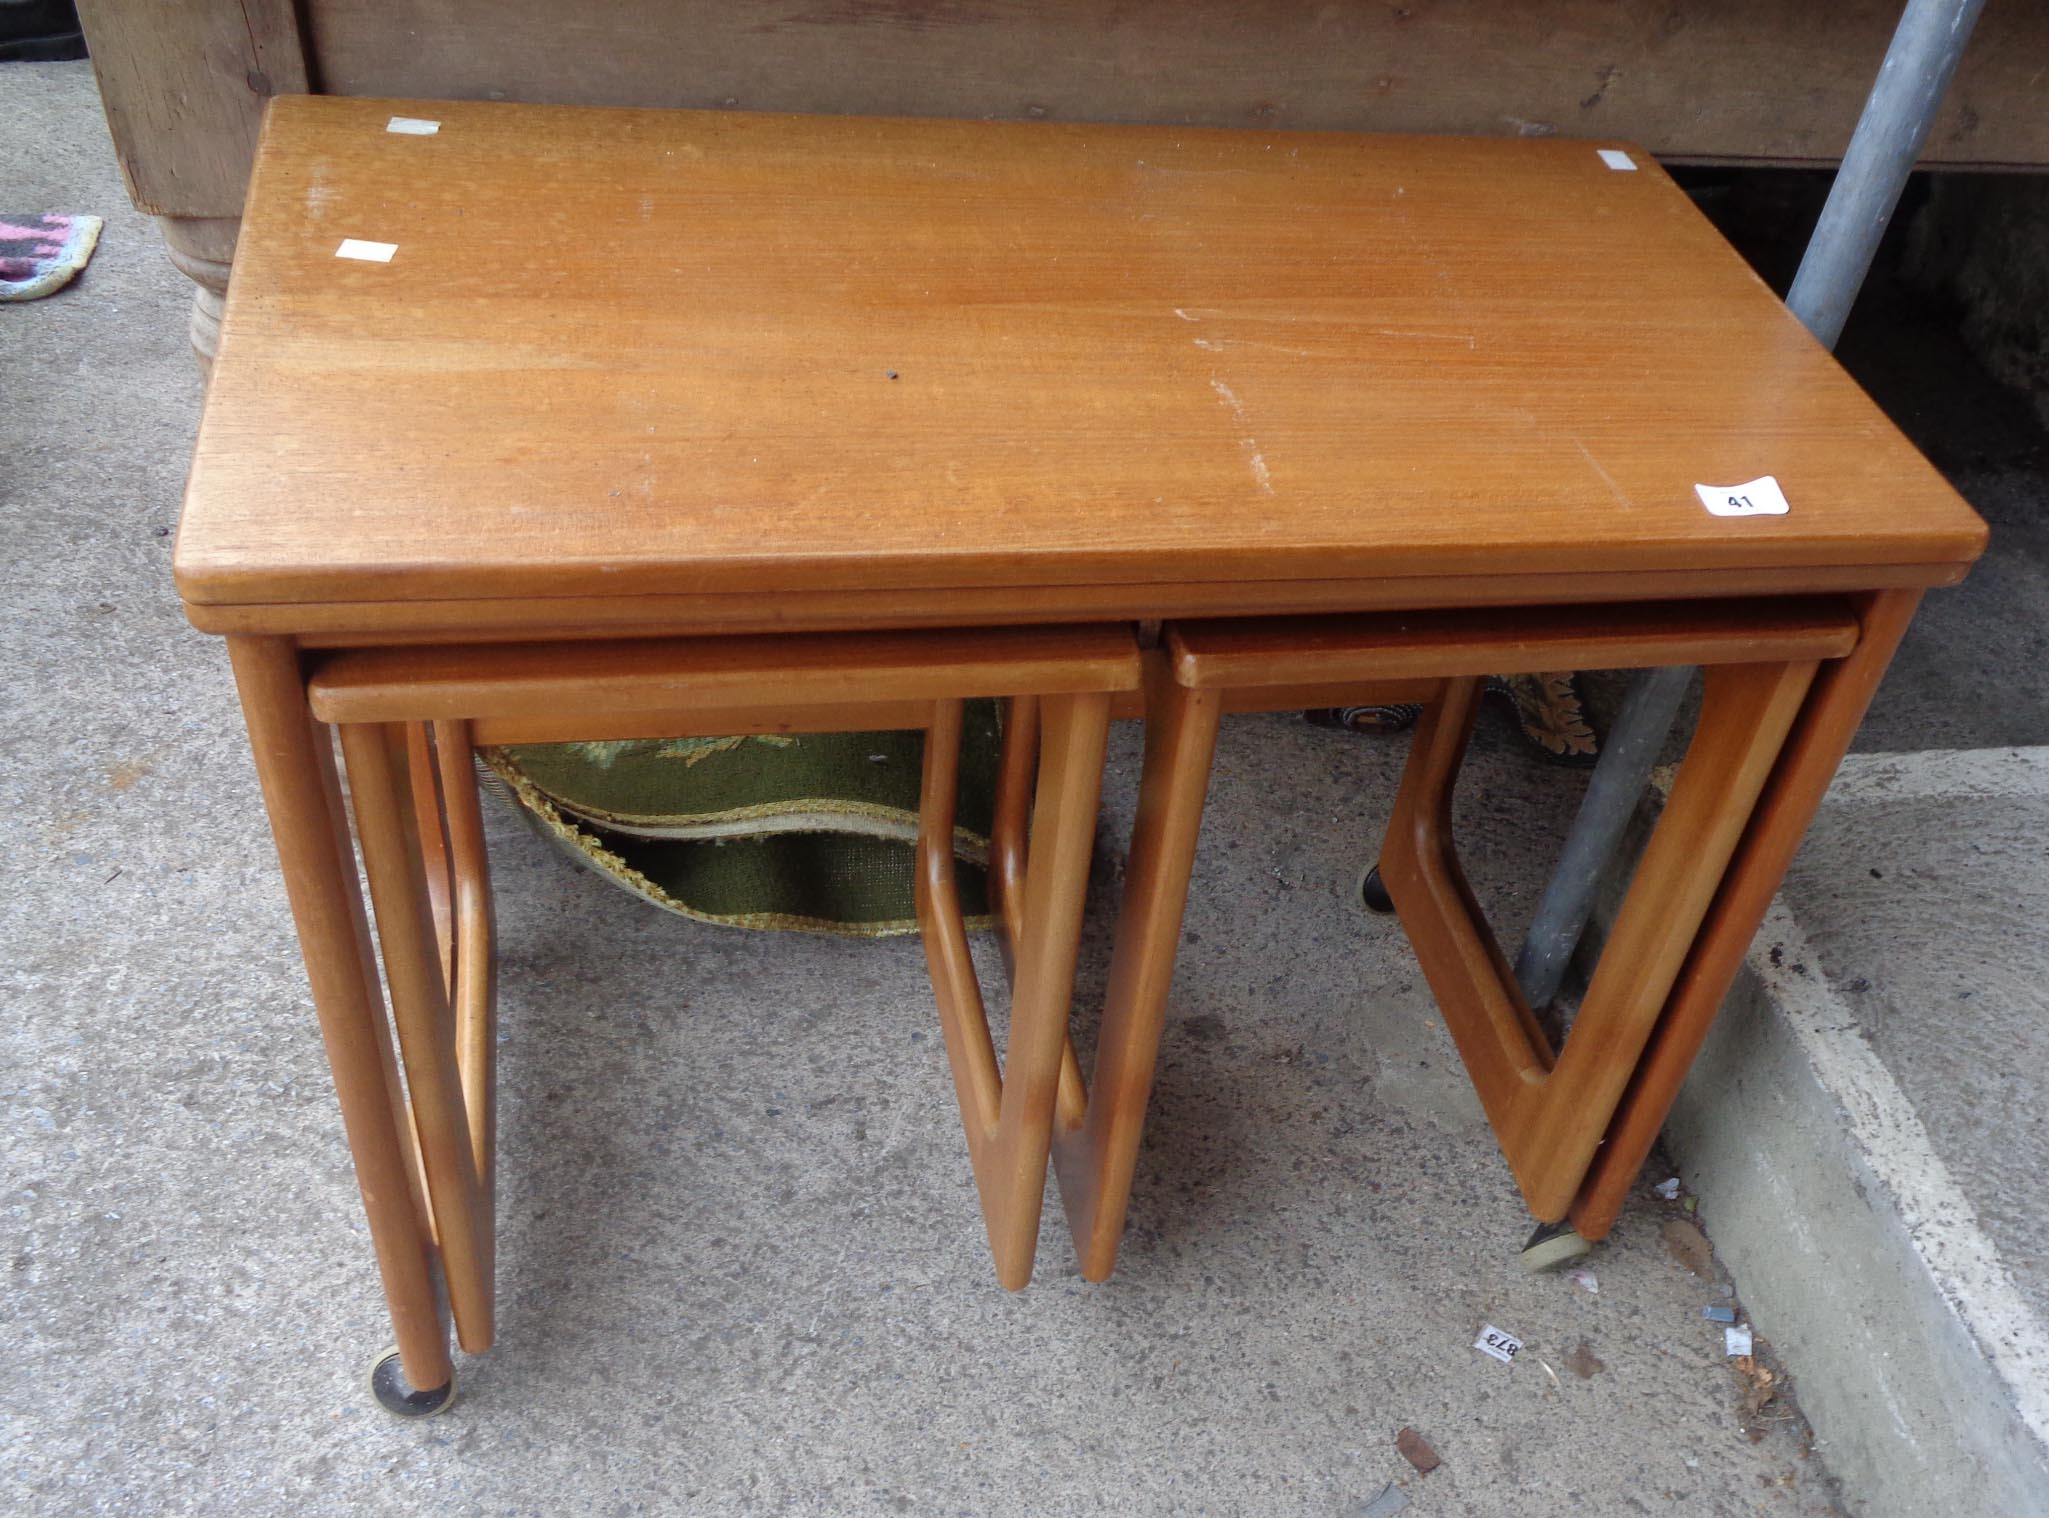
(295, 763)
(1009, 839)
(1828, 720)
(1008, 1113)
(1095, 1152)
(395, 866)
(473, 968)
(1550, 1109)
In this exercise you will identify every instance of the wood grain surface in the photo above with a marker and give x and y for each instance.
(623, 353)
(1244, 653)
(639, 679)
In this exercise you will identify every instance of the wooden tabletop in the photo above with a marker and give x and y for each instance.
(775, 361)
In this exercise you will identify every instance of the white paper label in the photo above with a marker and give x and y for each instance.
(368, 252)
(1737, 1339)
(1760, 497)
(1618, 160)
(1503, 1347)
(412, 126)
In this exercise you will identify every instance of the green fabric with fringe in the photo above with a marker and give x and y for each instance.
(812, 832)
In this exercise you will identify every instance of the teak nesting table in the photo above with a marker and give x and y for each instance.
(534, 424)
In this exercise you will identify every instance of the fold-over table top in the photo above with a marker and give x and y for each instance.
(762, 359)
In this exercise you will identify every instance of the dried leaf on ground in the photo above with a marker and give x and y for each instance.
(1761, 1384)
(1417, 1451)
(1690, 1247)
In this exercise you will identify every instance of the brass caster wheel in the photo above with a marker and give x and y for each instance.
(388, 1386)
(1372, 893)
(1553, 1245)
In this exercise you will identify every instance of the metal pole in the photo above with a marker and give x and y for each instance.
(1890, 134)
(1618, 779)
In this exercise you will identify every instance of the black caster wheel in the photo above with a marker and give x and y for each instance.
(388, 1386)
(1553, 1245)
(1373, 894)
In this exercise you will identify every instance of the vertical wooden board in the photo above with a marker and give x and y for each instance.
(183, 85)
(1695, 79)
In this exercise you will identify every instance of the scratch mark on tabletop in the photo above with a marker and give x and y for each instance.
(1249, 443)
(1435, 337)
(1219, 345)
(1614, 489)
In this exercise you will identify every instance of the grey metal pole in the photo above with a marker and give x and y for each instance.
(1890, 134)
(1889, 137)
(1612, 791)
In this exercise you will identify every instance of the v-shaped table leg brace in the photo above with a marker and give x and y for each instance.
(1008, 1111)
(1097, 1130)
(1550, 1109)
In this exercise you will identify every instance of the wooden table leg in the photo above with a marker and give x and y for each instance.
(1009, 835)
(431, 827)
(395, 867)
(1008, 1114)
(295, 764)
(1010, 824)
(1095, 1150)
(1550, 1109)
(473, 962)
(1835, 705)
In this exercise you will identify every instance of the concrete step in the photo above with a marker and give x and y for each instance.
(1868, 1134)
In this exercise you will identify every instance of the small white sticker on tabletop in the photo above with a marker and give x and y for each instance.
(1736, 1339)
(1503, 1347)
(1618, 160)
(368, 252)
(412, 126)
(1760, 497)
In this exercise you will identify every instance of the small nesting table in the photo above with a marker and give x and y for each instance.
(534, 424)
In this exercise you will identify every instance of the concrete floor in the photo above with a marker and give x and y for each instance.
(741, 1265)
(1964, 1032)
(1864, 1127)
(1864, 1130)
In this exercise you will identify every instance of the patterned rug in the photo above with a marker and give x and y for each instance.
(41, 254)
(816, 832)
(811, 832)
(1549, 712)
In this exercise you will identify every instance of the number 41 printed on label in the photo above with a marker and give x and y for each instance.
(1760, 497)
(1503, 1347)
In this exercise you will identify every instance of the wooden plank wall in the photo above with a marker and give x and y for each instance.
(1774, 80)
(183, 85)
(1771, 81)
